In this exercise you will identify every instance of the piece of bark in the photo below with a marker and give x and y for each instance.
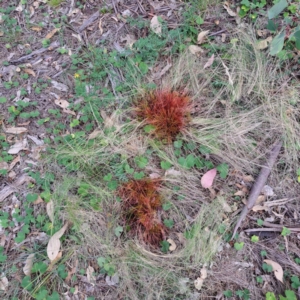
(89, 21)
(258, 185)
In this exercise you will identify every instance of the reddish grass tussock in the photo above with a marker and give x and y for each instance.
(167, 111)
(141, 201)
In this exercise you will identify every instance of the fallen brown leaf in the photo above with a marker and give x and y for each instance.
(89, 274)
(14, 162)
(195, 49)
(172, 245)
(30, 72)
(259, 208)
(54, 261)
(277, 269)
(239, 193)
(208, 178)
(28, 264)
(155, 25)
(51, 33)
(229, 10)
(209, 62)
(50, 210)
(38, 201)
(54, 243)
(3, 283)
(11, 175)
(36, 28)
(15, 130)
(17, 147)
(263, 44)
(62, 103)
(201, 36)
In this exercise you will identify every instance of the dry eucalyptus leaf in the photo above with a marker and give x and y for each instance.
(14, 162)
(209, 62)
(51, 33)
(201, 36)
(208, 178)
(223, 39)
(28, 264)
(229, 10)
(3, 283)
(263, 44)
(260, 199)
(259, 208)
(172, 172)
(195, 49)
(172, 245)
(37, 141)
(155, 25)
(19, 8)
(17, 147)
(62, 103)
(38, 201)
(198, 283)
(36, 28)
(248, 178)
(30, 72)
(31, 11)
(68, 111)
(15, 130)
(50, 210)
(89, 274)
(54, 261)
(262, 32)
(239, 193)
(203, 272)
(12, 175)
(277, 269)
(54, 243)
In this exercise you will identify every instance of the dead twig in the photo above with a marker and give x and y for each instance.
(36, 52)
(89, 21)
(258, 185)
(293, 230)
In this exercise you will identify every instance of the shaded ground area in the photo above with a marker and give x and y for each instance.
(71, 74)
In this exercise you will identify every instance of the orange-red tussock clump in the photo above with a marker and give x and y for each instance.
(167, 111)
(141, 201)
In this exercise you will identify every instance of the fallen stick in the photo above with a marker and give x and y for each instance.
(89, 21)
(293, 230)
(258, 185)
(36, 52)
